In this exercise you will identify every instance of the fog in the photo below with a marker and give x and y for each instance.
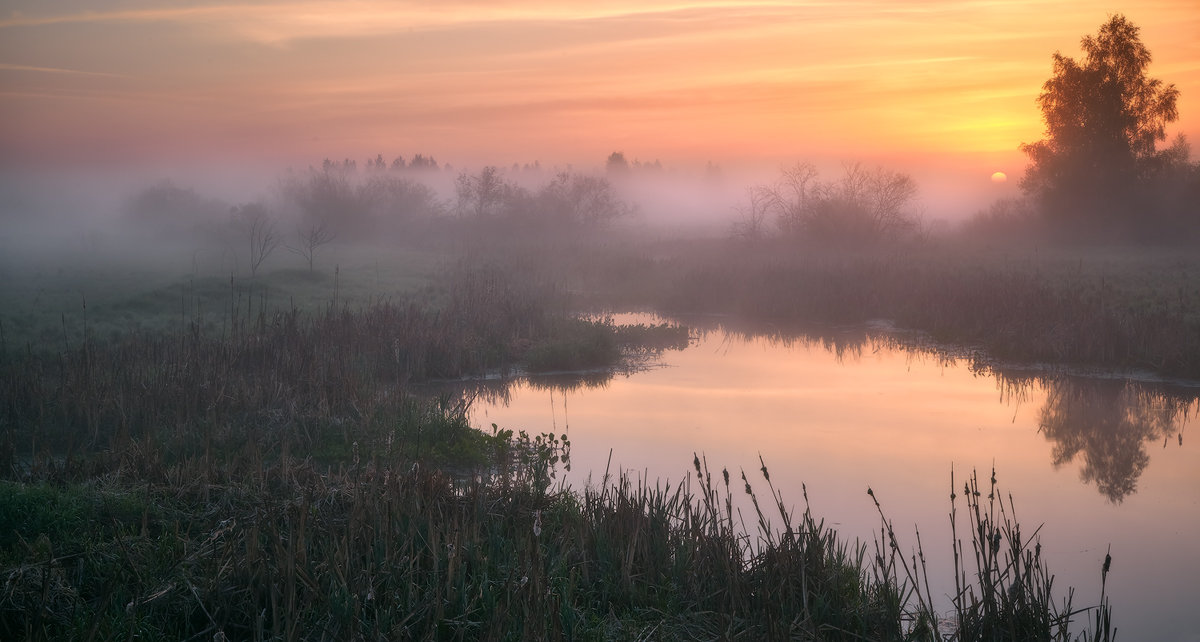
(52, 212)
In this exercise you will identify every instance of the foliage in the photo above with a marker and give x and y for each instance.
(864, 206)
(1104, 116)
(1010, 594)
(327, 197)
(375, 549)
(169, 211)
(486, 194)
(577, 345)
(580, 199)
(254, 479)
(1005, 220)
(392, 199)
(568, 201)
(1136, 309)
(616, 165)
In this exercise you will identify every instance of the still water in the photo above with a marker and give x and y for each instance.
(1099, 461)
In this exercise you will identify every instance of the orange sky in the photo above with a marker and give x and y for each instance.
(950, 84)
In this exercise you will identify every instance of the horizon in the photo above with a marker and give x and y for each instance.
(944, 91)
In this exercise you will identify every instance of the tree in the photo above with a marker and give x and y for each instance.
(422, 163)
(484, 194)
(864, 206)
(260, 232)
(329, 196)
(1109, 423)
(1104, 117)
(390, 199)
(616, 165)
(752, 216)
(169, 211)
(311, 238)
(579, 199)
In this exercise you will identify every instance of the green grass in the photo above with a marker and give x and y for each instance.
(256, 462)
(1115, 308)
(376, 550)
(51, 305)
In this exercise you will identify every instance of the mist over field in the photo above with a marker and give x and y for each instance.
(86, 211)
(391, 320)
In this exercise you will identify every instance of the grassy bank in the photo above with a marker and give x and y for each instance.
(381, 551)
(267, 471)
(1118, 308)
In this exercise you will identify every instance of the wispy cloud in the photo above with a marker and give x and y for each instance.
(56, 70)
(284, 21)
(764, 75)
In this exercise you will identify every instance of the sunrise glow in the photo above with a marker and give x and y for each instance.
(944, 84)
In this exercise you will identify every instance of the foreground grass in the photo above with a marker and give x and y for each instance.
(372, 552)
(273, 476)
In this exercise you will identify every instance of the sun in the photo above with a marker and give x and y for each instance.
(999, 177)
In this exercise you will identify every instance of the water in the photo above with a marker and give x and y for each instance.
(1099, 462)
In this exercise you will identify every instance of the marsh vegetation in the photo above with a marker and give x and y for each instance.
(253, 461)
(203, 437)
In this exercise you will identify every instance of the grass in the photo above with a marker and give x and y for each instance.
(1114, 309)
(248, 467)
(376, 550)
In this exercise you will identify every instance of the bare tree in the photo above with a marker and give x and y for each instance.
(484, 194)
(329, 194)
(790, 196)
(751, 225)
(579, 199)
(311, 238)
(260, 232)
(862, 206)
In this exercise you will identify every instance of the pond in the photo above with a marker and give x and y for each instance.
(1102, 463)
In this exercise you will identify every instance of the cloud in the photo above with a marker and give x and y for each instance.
(55, 70)
(278, 23)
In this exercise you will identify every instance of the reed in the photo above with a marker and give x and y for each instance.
(274, 476)
(1125, 309)
(374, 551)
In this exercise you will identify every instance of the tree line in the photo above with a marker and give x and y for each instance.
(336, 202)
(1098, 175)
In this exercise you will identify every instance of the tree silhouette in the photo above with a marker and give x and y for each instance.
(1103, 117)
(260, 231)
(485, 194)
(311, 238)
(1109, 424)
(616, 165)
(579, 199)
(863, 206)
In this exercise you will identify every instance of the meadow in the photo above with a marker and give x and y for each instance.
(194, 456)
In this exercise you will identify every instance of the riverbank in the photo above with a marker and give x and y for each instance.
(271, 476)
(1121, 308)
(372, 551)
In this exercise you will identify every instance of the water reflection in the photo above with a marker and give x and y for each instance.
(499, 391)
(1106, 423)
(841, 409)
(1110, 424)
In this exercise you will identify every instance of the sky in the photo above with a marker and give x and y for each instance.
(925, 84)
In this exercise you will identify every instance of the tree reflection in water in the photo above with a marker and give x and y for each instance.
(1107, 421)
(1110, 423)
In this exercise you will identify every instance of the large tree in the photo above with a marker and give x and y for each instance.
(1104, 117)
